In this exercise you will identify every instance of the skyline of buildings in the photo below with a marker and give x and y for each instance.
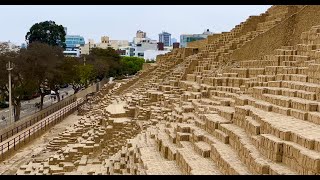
(140, 35)
(140, 46)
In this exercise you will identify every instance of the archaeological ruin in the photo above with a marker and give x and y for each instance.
(237, 103)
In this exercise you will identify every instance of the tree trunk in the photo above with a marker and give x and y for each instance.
(17, 110)
(41, 102)
(58, 95)
(75, 88)
(2, 96)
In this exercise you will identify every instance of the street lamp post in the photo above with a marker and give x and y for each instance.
(9, 68)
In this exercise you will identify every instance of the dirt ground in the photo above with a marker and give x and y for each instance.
(36, 148)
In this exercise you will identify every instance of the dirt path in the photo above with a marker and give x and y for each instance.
(36, 148)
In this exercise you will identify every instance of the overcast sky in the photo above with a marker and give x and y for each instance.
(122, 22)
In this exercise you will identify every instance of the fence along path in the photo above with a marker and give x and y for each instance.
(28, 121)
(19, 139)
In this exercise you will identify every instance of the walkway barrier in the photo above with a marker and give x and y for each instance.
(8, 146)
(28, 121)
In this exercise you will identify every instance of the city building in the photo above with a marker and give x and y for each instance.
(9, 46)
(91, 44)
(116, 44)
(152, 54)
(87, 47)
(72, 53)
(141, 47)
(105, 39)
(165, 38)
(160, 46)
(74, 42)
(140, 37)
(175, 45)
(185, 38)
(141, 34)
(104, 44)
(129, 50)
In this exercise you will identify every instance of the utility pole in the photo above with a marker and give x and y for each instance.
(89, 47)
(9, 68)
(84, 60)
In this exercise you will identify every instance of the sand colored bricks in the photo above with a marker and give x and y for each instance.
(199, 111)
(95, 136)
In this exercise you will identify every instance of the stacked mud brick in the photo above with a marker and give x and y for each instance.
(82, 148)
(200, 112)
(233, 117)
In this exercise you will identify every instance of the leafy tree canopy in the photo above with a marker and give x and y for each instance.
(131, 65)
(47, 32)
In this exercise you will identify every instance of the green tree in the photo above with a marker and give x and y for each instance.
(43, 61)
(106, 62)
(23, 79)
(131, 65)
(86, 74)
(69, 72)
(47, 32)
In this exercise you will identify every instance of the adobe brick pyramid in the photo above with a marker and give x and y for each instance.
(240, 102)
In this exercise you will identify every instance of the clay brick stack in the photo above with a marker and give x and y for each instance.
(196, 111)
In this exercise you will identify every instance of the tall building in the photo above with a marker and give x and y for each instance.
(165, 38)
(185, 38)
(140, 37)
(74, 42)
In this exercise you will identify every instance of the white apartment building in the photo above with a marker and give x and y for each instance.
(152, 54)
(140, 48)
